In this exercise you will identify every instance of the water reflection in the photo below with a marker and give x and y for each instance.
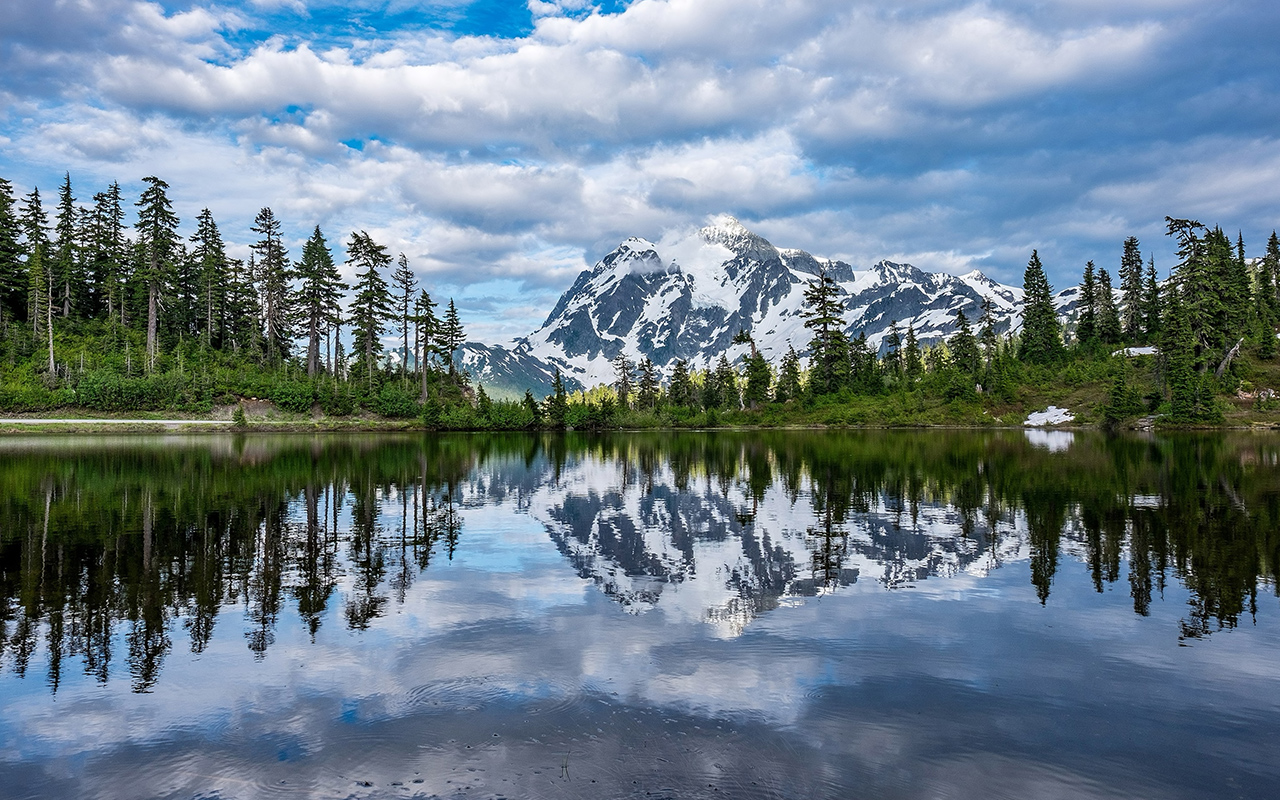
(142, 544)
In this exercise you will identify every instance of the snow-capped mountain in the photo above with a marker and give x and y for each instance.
(686, 296)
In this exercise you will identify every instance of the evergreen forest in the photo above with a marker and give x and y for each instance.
(114, 306)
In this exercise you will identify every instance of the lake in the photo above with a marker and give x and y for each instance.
(804, 614)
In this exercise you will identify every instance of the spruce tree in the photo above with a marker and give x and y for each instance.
(371, 306)
(1152, 307)
(273, 287)
(13, 277)
(1041, 335)
(65, 251)
(35, 232)
(759, 378)
(1109, 330)
(788, 387)
(1131, 292)
(427, 331)
(319, 295)
(557, 403)
(157, 248)
(1265, 314)
(623, 379)
(1087, 326)
(647, 387)
(727, 381)
(912, 364)
(404, 282)
(1272, 262)
(110, 258)
(987, 335)
(451, 335)
(829, 349)
(210, 255)
(893, 350)
(683, 393)
(964, 347)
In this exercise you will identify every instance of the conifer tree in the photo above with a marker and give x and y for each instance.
(682, 393)
(65, 258)
(759, 378)
(371, 306)
(110, 256)
(319, 294)
(273, 287)
(451, 335)
(210, 256)
(1087, 326)
(1109, 330)
(788, 387)
(557, 403)
(893, 350)
(727, 381)
(404, 282)
(427, 330)
(623, 379)
(158, 248)
(864, 366)
(829, 349)
(1265, 314)
(647, 388)
(964, 347)
(912, 364)
(987, 335)
(1272, 262)
(13, 278)
(1041, 335)
(35, 232)
(1131, 292)
(1152, 308)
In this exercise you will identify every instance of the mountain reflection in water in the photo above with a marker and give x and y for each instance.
(119, 554)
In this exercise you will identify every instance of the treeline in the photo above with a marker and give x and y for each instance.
(1215, 305)
(98, 313)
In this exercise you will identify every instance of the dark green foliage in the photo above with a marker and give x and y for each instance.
(759, 378)
(829, 349)
(912, 364)
(788, 387)
(1041, 337)
(1123, 399)
(1109, 331)
(1087, 326)
(1132, 304)
(682, 392)
(624, 379)
(557, 404)
(965, 357)
(13, 278)
(404, 282)
(318, 297)
(648, 388)
(1152, 304)
(273, 278)
(371, 307)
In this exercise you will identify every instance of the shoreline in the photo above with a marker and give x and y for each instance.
(10, 426)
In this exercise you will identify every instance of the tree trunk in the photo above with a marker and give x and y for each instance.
(49, 329)
(313, 347)
(151, 326)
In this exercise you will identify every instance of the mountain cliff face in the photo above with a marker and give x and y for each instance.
(685, 297)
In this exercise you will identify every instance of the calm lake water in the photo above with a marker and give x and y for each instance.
(763, 614)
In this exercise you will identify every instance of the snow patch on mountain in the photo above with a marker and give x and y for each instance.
(687, 295)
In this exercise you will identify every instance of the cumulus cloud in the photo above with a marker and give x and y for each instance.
(952, 133)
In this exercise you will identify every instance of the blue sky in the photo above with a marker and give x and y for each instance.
(506, 146)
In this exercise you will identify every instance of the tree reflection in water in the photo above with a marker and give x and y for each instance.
(124, 542)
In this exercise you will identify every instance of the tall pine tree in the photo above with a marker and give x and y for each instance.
(1131, 292)
(371, 307)
(1041, 334)
(157, 228)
